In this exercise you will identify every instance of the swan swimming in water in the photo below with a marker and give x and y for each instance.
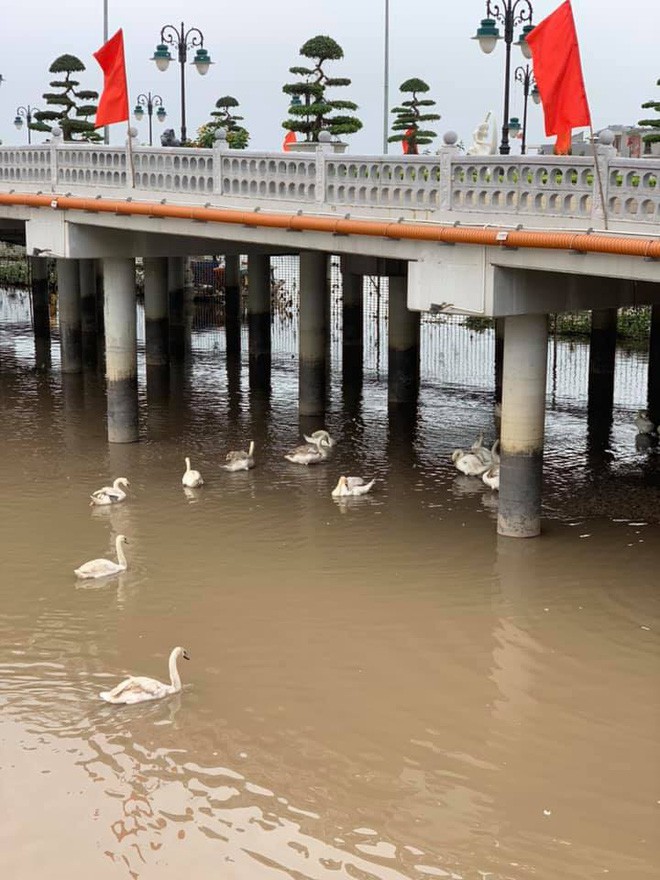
(351, 486)
(470, 464)
(98, 568)
(312, 453)
(643, 423)
(240, 461)
(317, 436)
(110, 494)
(491, 477)
(192, 479)
(139, 688)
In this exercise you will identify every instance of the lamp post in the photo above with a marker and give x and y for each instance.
(510, 13)
(525, 76)
(26, 112)
(182, 40)
(386, 78)
(149, 101)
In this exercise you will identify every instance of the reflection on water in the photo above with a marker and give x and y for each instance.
(380, 687)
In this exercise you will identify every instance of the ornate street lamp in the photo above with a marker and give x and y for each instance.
(182, 40)
(525, 76)
(149, 101)
(510, 13)
(26, 112)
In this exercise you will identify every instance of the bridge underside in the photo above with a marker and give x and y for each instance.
(468, 279)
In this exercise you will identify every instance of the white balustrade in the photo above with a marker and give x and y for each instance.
(435, 187)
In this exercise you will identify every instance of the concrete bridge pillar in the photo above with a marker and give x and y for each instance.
(157, 329)
(523, 423)
(259, 321)
(403, 345)
(68, 296)
(88, 313)
(233, 305)
(602, 353)
(654, 366)
(499, 357)
(353, 327)
(312, 363)
(40, 312)
(121, 349)
(176, 286)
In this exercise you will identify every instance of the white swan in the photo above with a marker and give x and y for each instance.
(192, 479)
(138, 688)
(476, 448)
(491, 477)
(98, 568)
(470, 464)
(312, 453)
(317, 436)
(240, 461)
(110, 494)
(351, 486)
(643, 423)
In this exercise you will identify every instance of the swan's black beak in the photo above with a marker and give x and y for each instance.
(186, 655)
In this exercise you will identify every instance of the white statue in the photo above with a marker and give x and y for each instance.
(484, 138)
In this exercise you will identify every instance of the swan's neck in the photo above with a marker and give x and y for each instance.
(251, 449)
(174, 672)
(117, 483)
(187, 465)
(120, 552)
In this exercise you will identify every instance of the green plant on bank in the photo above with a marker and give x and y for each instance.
(75, 104)
(14, 273)
(311, 111)
(632, 323)
(409, 116)
(224, 118)
(654, 136)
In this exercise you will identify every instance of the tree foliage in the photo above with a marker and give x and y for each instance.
(73, 106)
(223, 117)
(316, 112)
(654, 136)
(409, 115)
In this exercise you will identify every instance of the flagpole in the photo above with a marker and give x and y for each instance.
(386, 76)
(106, 129)
(129, 150)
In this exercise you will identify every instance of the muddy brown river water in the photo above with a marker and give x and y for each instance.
(378, 690)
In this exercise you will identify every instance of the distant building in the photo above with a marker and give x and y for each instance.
(628, 141)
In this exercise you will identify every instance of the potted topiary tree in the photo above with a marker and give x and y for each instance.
(653, 137)
(409, 117)
(72, 118)
(224, 118)
(311, 110)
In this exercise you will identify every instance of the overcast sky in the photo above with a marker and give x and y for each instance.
(254, 42)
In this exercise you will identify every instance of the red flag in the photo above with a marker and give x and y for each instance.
(289, 138)
(406, 144)
(113, 106)
(558, 74)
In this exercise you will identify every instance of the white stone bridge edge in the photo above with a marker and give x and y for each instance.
(533, 188)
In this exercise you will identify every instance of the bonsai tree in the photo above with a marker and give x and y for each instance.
(409, 117)
(654, 136)
(311, 111)
(223, 117)
(75, 104)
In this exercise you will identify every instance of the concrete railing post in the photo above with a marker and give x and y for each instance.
(219, 151)
(55, 140)
(604, 152)
(447, 152)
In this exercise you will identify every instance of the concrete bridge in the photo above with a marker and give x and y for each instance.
(513, 238)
